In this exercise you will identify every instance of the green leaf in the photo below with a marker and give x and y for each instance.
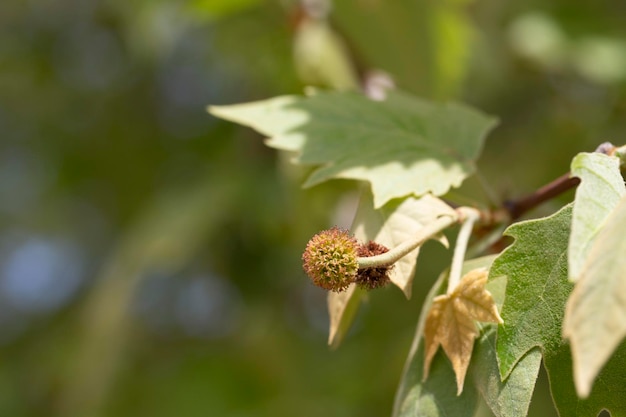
(595, 318)
(609, 391)
(402, 145)
(600, 190)
(511, 397)
(435, 396)
(537, 289)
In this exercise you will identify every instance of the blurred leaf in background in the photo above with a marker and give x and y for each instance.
(424, 45)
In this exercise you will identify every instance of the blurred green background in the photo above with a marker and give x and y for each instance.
(150, 253)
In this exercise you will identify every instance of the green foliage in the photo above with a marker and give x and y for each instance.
(436, 396)
(512, 396)
(537, 290)
(402, 145)
(601, 188)
(595, 318)
(608, 392)
(430, 148)
(135, 281)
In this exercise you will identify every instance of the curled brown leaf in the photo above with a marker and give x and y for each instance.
(451, 322)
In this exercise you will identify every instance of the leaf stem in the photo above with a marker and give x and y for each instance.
(469, 216)
(403, 249)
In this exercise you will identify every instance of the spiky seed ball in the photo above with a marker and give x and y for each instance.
(330, 259)
(372, 278)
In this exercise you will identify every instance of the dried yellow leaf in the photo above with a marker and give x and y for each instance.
(451, 322)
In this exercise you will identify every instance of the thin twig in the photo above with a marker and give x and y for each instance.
(517, 208)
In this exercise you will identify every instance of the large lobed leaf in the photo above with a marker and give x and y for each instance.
(535, 265)
(511, 397)
(433, 397)
(537, 289)
(600, 190)
(402, 146)
(595, 318)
